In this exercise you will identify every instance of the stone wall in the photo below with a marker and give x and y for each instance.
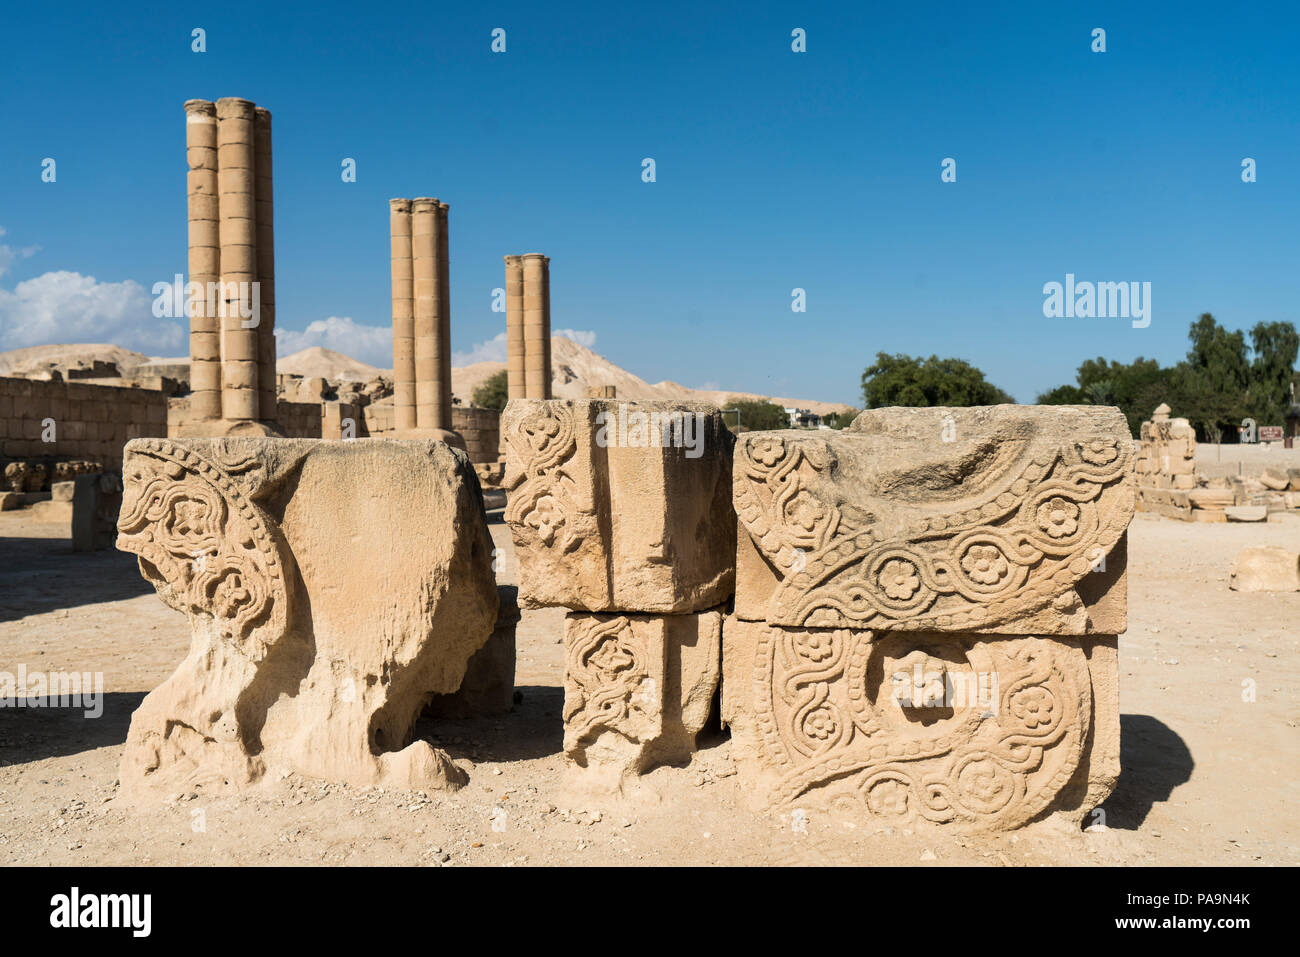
(481, 430)
(90, 422)
(299, 420)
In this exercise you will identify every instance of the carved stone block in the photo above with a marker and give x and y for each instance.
(618, 506)
(637, 690)
(988, 731)
(331, 588)
(926, 611)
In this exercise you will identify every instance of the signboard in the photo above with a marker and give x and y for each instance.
(1270, 433)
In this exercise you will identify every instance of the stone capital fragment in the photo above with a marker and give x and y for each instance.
(332, 587)
(619, 506)
(926, 613)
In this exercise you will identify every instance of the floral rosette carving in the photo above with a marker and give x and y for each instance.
(208, 549)
(607, 679)
(542, 490)
(1022, 535)
(1002, 742)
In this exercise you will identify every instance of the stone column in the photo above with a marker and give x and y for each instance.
(444, 319)
(204, 258)
(546, 327)
(237, 232)
(399, 228)
(424, 245)
(536, 352)
(266, 380)
(515, 363)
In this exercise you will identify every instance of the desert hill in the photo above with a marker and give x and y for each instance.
(574, 369)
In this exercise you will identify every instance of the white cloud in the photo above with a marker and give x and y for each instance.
(8, 255)
(583, 337)
(494, 349)
(67, 307)
(372, 344)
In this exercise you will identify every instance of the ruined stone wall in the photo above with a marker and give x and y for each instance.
(481, 429)
(300, 420)
(89, 422)
(379, 418)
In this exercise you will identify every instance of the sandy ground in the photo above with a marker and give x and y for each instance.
(1208, 778)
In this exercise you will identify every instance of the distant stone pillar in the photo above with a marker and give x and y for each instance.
(444, 319)
(399, 228)
(204, 258)
(265, 238)
(546, 327)
(537, 367)
(424, 246)
(237, 231)
(515, 371)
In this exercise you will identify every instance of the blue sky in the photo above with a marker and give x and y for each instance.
(775, 170)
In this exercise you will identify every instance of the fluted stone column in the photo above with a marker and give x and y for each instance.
(424, 246)
(399, 219)
(537, 368)
(444, 319)
(515, 371)
(265, 238)
(237, 232)
(204, 258)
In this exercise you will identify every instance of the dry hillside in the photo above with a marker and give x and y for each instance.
(574, 367)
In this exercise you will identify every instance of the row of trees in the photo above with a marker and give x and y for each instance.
(1221, 382)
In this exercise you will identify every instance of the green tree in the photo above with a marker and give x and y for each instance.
(492, 392)
(756, 415)
(1062, 395)
(1275, 345)
(839, 420)
(909, 381)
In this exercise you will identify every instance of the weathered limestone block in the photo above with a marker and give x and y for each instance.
(926, 613)
(637, 690)
(1020, 517)
(987, 731)
(489, 684)
(96, 501)
(332, 587)
(618, 506)
(16, 475)
(1265, 568)
(1276, 479)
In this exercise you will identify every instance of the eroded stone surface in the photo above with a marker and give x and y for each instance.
(1265, 568)
(488, 687)
(330, 586)
(889, 525)
(617, 506)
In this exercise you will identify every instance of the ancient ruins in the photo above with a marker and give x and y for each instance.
(913, 619)
(332, 589)
(528, 326)
(1169, 483)
(421, 319)
(928, 627)
(232, 268)
(622, 514)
